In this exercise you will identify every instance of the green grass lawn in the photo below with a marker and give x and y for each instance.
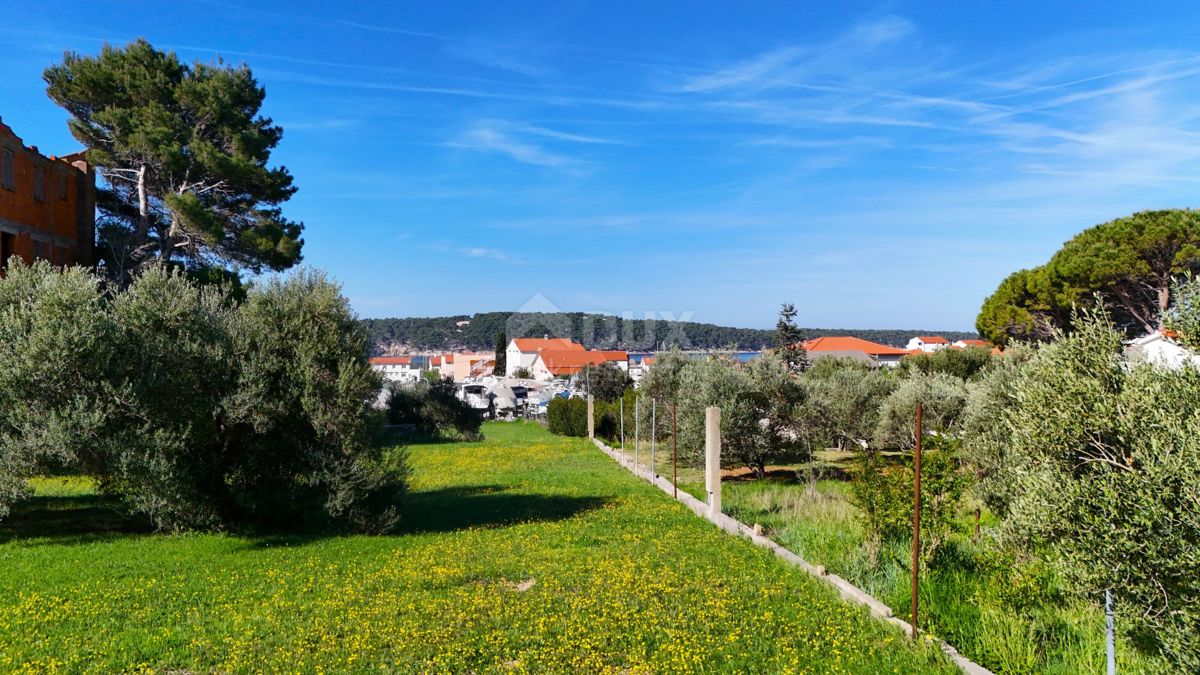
(523, 553)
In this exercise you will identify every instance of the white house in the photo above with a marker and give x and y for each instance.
(927, 343)
(639, 368)
(1160, 349)
(521, 352)
(963, 344)
(396, 368)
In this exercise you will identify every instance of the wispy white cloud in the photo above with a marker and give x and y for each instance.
(319, 125)
(471, 251)
(791, 66)
(526, 143)
(490, 139)
(391, 29)
(570, 137)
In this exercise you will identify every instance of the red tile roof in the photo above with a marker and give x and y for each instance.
(569, 362)
(845, 343)
(933, 339)
(976, 343)
(528, 345)
(391, 360)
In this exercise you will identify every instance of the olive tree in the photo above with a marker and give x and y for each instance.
(942, 398)
(759, 404)
(1103, 460)
(165, 450)
(1184, 315)
(56, 349)
(842, 401)
(197, 411)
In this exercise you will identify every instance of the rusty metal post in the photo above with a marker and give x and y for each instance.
(653, 435)
(978, 514)
(916, 553)
(674, 450)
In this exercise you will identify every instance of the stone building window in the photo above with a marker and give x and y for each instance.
(39, 183)
(7, 179)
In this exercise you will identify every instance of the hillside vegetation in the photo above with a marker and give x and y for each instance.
(598, 331)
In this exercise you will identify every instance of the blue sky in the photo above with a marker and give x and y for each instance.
(880, 165)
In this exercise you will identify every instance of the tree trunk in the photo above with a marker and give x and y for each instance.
(1130, 306)
(143, 202)
(1164, 302)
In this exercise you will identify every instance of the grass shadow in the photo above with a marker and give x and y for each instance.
(458, 508)
(80, 519)
(70, 519)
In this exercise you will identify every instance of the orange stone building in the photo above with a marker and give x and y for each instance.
(47, 204)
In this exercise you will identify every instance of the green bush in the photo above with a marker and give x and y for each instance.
(942, 398)
(884, 495)
(606, 382)
(759, 402)
(567, 417)
(433, 409)
(1184, 315)
(842, 401)
(1104, 463)
(984, 432)
(965, 364)
(56, 344)
(198, 412)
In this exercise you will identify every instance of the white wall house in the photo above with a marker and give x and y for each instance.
(396, 369)
(1161, 350)
(927, 343)
(638, 369)
(521, 352)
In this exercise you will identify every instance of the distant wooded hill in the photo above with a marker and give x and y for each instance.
(596, 331)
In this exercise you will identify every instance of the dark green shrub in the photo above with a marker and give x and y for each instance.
(432, 408)
(606, 382)
(197, 412)
(56, 344)
(567, 417)
(965, 364)
(1102, 460)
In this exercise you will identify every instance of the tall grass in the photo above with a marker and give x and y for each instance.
(1010, 617)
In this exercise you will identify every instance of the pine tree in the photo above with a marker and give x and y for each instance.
(183, 154)
(787, 338)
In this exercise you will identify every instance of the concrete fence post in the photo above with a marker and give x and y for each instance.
(591, 417)
(712, 458)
